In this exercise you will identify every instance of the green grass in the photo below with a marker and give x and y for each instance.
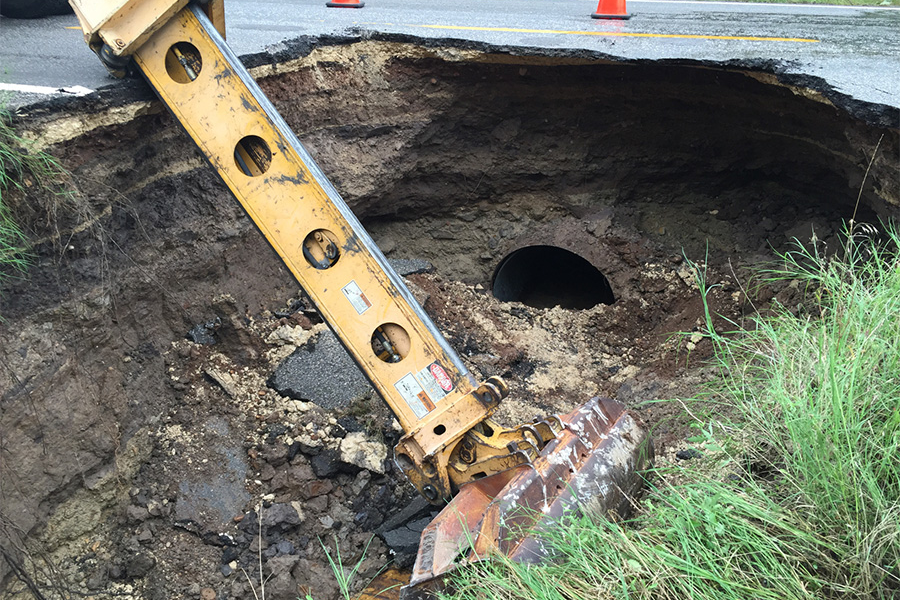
(798, 495)
(20, 169)
(13, 167)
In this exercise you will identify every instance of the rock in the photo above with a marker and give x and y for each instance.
(315, 579)
(285, 547)
(139, 565)
(257, 545)
(97, 580)
(137, 513)
(230, 553)
(282, 585)
(359, 484)
(322, 373)
(214, 538)
(293, 335)
(417, 508)
(326, 463)
(318, 504)
(280, 517)
(349, 425)
(293, 478)
(267, 472)
(204, 333)
(387, 245)
(365, 453)
(207, 594)
(232, 333)
(419, 525)
(145, 535)
(318, 487)
(368, 519)
(403, 542)
(274, 453)
(688, 454)
(240, 588)
(226, 380)
(293, 450)
(293, 306)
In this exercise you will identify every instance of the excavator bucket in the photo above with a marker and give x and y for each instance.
(592, 465)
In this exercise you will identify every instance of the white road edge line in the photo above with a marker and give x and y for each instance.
(74, 90)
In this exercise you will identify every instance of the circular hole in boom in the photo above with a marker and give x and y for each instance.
(183, 62)
(321, 251)
(390, 343)
(252, 156)
(547, 276)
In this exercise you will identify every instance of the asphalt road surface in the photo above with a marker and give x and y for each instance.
(855, 50)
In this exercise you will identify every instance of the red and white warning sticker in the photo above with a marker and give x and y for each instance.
(356, 297)
(440, 375)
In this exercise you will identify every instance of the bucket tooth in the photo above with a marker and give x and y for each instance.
(593, 465)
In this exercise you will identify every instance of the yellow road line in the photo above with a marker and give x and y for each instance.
(622, 34)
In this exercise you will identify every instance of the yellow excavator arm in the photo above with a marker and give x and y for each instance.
(449, 438)
(440, 406)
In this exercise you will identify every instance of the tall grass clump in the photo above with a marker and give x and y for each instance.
(19, 169)
(40, 178)
(703, 539)
(820, 397)
(13, 166)
(798, 495)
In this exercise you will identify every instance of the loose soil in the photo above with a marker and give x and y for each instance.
(138, 461)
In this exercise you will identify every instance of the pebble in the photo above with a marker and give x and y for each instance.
(688, 454)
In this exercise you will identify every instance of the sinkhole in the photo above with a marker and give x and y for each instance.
(493, 167)
(546, 276)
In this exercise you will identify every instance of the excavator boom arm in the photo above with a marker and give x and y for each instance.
(304, 218)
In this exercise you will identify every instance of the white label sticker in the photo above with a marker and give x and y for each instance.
(356, 297)
(414, 395)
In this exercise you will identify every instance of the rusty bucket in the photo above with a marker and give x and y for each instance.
(593, 465)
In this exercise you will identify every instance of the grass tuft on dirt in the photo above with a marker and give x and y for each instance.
(798, 492)
(14, 164)
(44, 186)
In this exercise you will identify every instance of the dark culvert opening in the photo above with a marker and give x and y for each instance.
(547, 276)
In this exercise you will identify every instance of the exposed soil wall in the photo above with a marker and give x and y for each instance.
(132, 459)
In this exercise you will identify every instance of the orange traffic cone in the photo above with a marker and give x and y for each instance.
(611, 9)
(345, 4)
